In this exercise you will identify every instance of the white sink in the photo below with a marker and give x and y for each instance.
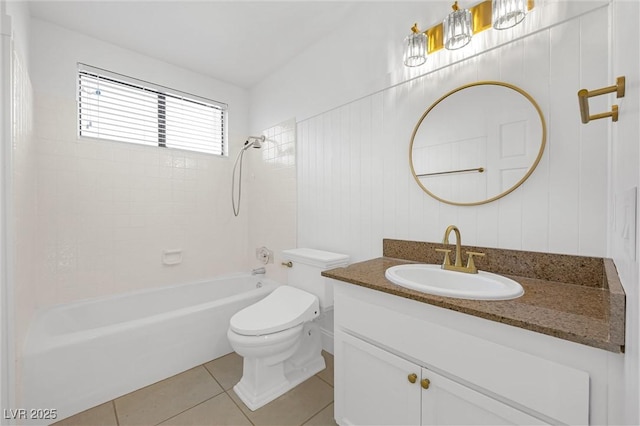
(433, 279)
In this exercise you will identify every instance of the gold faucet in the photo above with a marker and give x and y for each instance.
(457, 266)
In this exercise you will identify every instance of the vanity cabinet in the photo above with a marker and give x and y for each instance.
(378, 387)
(478, 372)
(374, 385)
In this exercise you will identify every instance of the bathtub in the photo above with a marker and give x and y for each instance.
(82, 354)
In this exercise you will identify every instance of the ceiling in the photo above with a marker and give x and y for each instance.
(240, 42)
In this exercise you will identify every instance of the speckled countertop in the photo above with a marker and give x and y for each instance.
(575, 298)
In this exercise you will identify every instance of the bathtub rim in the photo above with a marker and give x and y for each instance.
(37, 340)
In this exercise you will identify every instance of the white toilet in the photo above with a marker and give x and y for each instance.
(279, 336)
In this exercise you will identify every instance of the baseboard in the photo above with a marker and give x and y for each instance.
(327, 340)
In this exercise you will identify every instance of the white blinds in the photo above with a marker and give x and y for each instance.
(112, 106)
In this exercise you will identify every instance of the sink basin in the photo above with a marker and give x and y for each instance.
(433, 279)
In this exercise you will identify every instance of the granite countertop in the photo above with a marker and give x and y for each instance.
(575, 298)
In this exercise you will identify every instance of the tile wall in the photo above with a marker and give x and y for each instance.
(271, 205)
(108, 210)
(354, 182)
(24, 198)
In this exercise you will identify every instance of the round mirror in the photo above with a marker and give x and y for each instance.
(477, 143)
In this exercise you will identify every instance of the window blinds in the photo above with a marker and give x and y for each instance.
(116, 107)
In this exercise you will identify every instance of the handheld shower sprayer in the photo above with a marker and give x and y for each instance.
(252, 141)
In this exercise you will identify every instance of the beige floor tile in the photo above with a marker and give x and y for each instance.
(165, 399)
(227, 369)
(323, 418)
(102, 415)
(220, 410)
(327, 373)
(292, 408)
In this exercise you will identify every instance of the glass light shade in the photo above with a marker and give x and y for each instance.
(457, 29)
(507, 13)
(415, 49)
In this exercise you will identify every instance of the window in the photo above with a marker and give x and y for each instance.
(116, 107)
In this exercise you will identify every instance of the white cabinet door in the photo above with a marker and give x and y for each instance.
(376, 387)
(372, 386)
(446, 402)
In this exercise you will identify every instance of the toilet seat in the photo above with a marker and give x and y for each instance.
(259, 342)
(284, 308)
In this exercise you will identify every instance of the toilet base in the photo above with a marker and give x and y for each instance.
(263, 380)
(292, 379)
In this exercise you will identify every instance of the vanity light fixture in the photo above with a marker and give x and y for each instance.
(457, 28)
(508, 13)
(453, 32)
(415, 47)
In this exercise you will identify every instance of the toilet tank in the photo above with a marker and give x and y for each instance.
(307, 264)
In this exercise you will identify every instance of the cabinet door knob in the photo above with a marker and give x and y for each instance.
(412, 377)
(425, 383)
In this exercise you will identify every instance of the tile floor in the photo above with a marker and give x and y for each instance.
(204, 396)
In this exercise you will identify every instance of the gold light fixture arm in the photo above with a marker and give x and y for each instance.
(584, 95)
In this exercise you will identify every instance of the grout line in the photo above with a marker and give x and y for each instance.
(227, 393)
(177, 414)
(325, 361)
(190, 408)
(315, 414)
(239, 408)
(323, 380)
(115, 411)
(214, 377)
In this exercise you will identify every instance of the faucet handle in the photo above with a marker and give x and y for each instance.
(446, 252)
(471, 266)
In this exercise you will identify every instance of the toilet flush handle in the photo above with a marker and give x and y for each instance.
(288, 264)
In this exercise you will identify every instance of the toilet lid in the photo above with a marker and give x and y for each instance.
(284, 308)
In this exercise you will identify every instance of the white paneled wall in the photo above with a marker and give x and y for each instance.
(625, 180)
(355, 186)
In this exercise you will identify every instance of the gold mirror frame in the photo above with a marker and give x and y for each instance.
(531, 168)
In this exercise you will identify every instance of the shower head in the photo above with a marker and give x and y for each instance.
(254, 141)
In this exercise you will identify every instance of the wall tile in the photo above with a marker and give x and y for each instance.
(269, 197)
(108, 209)
(26, 226)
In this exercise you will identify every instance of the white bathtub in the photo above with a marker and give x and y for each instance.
(82, 354)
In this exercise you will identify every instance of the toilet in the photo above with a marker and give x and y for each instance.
(279, 336)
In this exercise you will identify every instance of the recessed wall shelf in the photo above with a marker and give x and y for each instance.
(584, 95)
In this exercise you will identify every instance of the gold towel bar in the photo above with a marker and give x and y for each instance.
(479, 169)
(584, 95)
